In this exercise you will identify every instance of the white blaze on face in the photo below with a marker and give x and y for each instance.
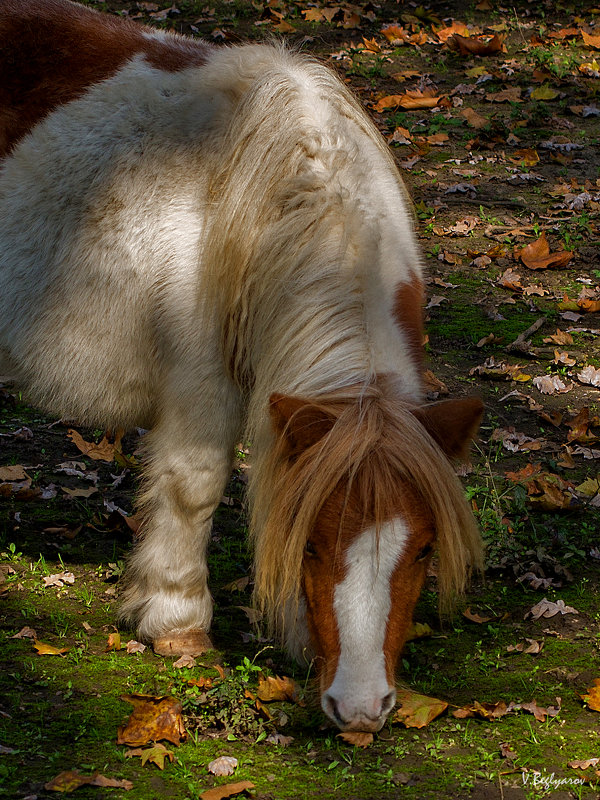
(360, 696)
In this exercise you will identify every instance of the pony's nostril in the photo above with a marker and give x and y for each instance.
(330, 707)
(388, 702)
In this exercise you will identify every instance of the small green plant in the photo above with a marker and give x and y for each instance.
(12, 554)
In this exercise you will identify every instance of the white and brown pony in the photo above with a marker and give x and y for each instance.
(214, 243)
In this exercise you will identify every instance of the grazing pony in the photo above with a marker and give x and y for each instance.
(214, 243)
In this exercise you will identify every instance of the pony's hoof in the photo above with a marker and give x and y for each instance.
(182, 643)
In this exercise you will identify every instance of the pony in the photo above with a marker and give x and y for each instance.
(214, 243)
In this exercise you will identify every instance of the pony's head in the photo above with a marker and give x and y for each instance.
(364, 491)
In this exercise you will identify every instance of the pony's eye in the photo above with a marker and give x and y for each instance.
(310, 549)
(424, 552)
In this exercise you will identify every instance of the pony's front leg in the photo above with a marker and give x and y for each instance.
(166, 595)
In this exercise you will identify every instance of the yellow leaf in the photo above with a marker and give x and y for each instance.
(417, 710)
(44, 649)
(544, 92)
(589, 487)
(418, 630)
(155, 754)
(114, 642)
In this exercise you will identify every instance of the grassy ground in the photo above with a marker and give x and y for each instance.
(483, 190)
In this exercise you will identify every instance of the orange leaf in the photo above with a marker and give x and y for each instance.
(591, 306)
(152, 719)
(272, 688)
(312, 14)
(104, 451)
(418, 99)
(417, 710)
(389, 101)
(394, 33)
(227, 790)
(457, 27)
(371, 45)
(591, 41)
(476, 47)
(356, 738)
(536, 255)
(592, 698)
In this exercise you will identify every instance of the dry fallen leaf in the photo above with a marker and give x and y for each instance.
(468, 614)
(104, 451)
(279, 739)
(418, 630)
(414, 99)
(152, 719)
(227, 790)
(533, 648)
(547, 608)
(79, 492)
(13, 472)
(113, 642)
(590, 762)
(25, 633)
(157, 754)
(484, 710)
(272, 688)
(417, 710)
(44, 649)
(185, 661)
(537, 255)
(69, 780)
(469, 45)
(135, 647)
(551, 384)
(590, 375)
(356, 738)
(592, 698)
(590, 40)
(474, 120)
(222, 766)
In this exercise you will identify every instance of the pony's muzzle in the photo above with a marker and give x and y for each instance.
(358, 714)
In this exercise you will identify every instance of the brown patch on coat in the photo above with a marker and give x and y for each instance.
(408, 314)
(53, 50)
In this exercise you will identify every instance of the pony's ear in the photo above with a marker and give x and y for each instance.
(452, 423)
(299, 421)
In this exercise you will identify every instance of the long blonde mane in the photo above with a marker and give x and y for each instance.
(288, 260)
